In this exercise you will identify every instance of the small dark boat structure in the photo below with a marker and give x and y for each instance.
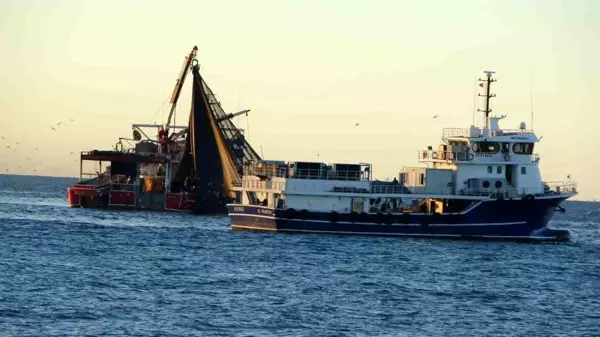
(182, 168)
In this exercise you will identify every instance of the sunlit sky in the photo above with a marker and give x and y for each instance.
(308, 70)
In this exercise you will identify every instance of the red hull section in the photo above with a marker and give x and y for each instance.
(74, 200)
(181, 202)
(122, 198)
(89, 197)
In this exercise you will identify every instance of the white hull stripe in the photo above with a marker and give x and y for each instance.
(393, 234)
(376, 224)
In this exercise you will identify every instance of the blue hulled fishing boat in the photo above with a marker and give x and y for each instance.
(480, 183)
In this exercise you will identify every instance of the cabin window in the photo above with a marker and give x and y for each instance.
(499, 169)
(422, 179)
(523, 170)
(490, 170)
(486, 147)
(523, 148)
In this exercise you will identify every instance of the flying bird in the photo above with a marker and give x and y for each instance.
(71, 119)
(59, 123)
(53, 128)
(357, 124)
(436, 116)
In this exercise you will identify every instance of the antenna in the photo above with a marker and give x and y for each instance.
(531, 97)
(488, 80)
(474, 100)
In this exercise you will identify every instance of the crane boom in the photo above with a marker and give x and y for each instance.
(179, 84)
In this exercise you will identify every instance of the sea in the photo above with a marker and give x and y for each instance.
(83, 272)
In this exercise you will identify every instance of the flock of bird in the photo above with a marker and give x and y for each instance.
(13, 146)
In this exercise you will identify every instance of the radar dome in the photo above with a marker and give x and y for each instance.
(522, 126)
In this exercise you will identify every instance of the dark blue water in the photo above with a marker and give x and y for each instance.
(77, 272)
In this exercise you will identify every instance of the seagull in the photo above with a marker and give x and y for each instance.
(435, 116)
(357, 124)
(71, 119)
(8, 146)
(70, 153)
(569, 176)
(59, 123)
(53, 128)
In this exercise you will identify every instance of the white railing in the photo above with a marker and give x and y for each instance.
(260, 185)
(433, 155)
(317, 174)
(560, 187)
(466, 133)
(455, 132)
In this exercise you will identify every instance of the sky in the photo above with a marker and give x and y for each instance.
(308, 70)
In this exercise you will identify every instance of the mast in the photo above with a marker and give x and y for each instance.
(179, 84)
(488, 81)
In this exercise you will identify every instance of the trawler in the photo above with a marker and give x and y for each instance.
(180, 168)
(480, 183)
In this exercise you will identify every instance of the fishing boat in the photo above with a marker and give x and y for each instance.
(482, 182)
(168, 167)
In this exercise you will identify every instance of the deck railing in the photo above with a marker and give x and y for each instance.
(560, 187)
(259, 184)
(317, 174)
(433, 155)
(466, 133)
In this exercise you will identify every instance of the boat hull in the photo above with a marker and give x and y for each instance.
(514, 220)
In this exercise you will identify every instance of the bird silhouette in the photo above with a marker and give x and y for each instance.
(71, 119)
(53, 128)
(357, 124)
(436, 116)
(59, 123)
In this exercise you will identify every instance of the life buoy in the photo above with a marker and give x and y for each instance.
(506, 157)
(434, 155)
